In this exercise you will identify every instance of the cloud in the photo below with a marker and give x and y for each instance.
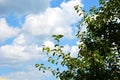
(37, 28)
(53, 21)
(20, 40)
(74, 51)
(23, 6)
(48, 43)
(6, 31)
(20, 54)
(31, 74)
(66, 49)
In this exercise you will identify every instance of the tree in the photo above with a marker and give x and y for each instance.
(99, 48)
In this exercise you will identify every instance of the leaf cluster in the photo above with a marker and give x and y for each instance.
(99, 47)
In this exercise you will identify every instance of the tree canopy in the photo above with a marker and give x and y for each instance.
(99, 46)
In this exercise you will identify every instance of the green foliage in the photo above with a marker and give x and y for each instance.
(57, 37)
(99, 48)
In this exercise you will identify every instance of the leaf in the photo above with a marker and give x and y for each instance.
(49, 59)
(42, 64)
(78, 11)
(53, 72)
(53, 35)
(52, 61)
(43, 71)
(59, 56)
(59, 36)
(57, 69)
(56, 45)
(54, 54)
(36, 65)
(56, 63)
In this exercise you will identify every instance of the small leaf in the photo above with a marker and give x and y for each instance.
(49, 59)
(43, 71)
(36, 65)
(52, 61)
(54, 54)
(57, 69)
(53, 35)
(56, 63)
(53, 72)
(59, 55)
(59, 36)
(42, 64)
(78, 11)
(56, 45)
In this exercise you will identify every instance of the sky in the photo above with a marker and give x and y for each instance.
(26, 25)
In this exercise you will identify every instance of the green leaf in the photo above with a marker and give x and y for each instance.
(42, 64)
(53, 54)
(43, 71)
(53, 72)
(57, 69)
(52, 61)
(36, 65)
(49, 59)
(59, 36)
(56, 63)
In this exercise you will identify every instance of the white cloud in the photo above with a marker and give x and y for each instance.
(53, 21)
(31, 74)
(6, 31)
(74, 51)
(37, 27)
(66, 49)
(20, 54)
(23, 6)
(20, 40)
(49, 44)
(25, 47)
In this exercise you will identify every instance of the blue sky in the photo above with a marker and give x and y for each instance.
(25, 25)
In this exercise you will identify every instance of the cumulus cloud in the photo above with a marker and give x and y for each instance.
(20, 54)
(37, 27)
(53, 21)
(6, 31)
(20, 40)
(24, 48)
(31, 74)
(23, 6)
(48, 43)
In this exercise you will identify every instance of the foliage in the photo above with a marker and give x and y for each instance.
(99, 48)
